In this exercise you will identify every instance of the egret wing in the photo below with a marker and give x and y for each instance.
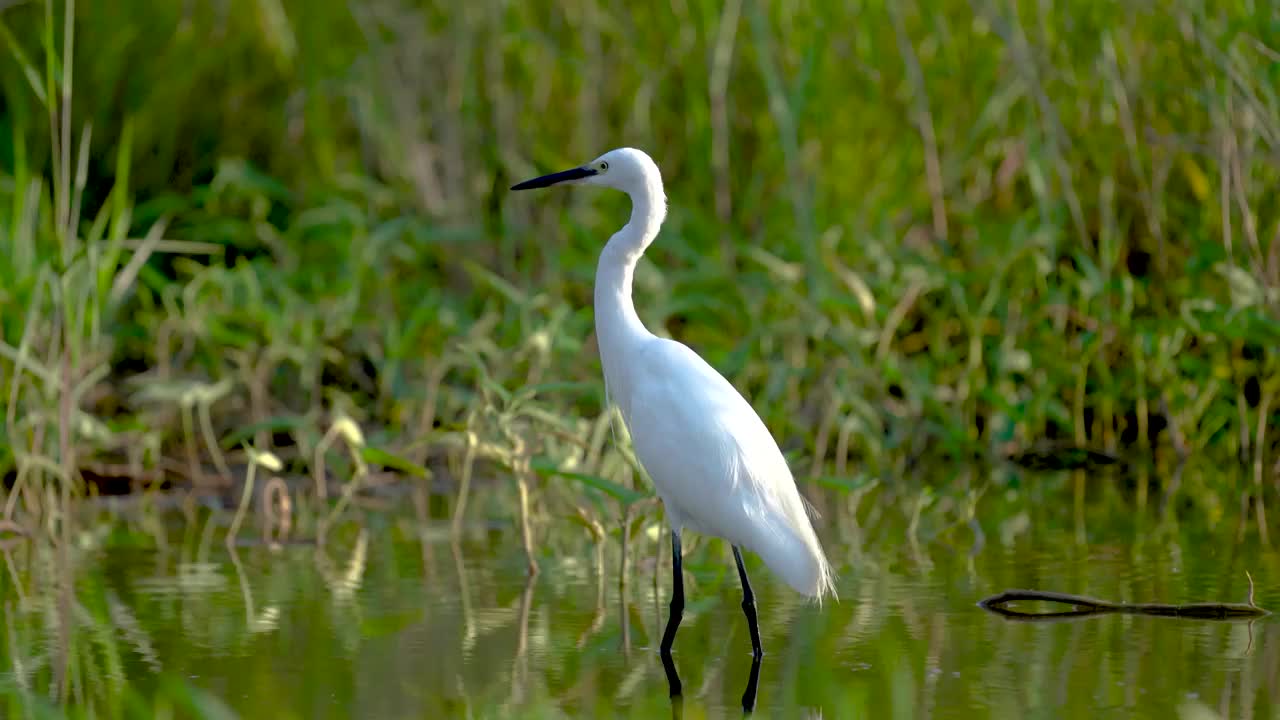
(707, 451)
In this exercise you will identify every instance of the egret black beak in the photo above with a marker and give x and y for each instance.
(577, 173)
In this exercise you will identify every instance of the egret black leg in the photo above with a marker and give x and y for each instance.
(673, 620)
(749, 605)
(749, 695)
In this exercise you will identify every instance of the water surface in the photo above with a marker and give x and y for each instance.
(395, 619)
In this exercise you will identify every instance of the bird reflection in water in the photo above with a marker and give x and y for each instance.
(677, 697)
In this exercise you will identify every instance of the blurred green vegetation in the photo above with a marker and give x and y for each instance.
(908, 233)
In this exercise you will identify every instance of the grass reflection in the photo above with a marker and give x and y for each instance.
(397, 616)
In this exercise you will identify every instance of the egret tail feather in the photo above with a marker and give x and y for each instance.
(797, 558)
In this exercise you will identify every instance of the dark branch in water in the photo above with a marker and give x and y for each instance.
(1082, 606)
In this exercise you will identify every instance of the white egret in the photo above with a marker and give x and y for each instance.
(713, 462)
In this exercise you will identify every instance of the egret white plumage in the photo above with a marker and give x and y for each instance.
(713, 462)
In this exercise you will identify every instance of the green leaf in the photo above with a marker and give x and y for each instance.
(504, 288)
(377, 456)
(275, 424)
(624, 495)
(28, 68)
(227, 334)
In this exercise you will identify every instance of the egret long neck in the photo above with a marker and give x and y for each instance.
(617, 325)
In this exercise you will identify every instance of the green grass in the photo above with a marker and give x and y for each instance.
(909, 234)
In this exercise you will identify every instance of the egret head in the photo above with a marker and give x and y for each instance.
(625, 169)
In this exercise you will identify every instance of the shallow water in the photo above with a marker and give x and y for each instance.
(394, 620)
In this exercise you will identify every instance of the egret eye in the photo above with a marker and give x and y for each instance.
(604, 165)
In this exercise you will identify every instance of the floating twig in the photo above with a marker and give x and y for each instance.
(1082, 606)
